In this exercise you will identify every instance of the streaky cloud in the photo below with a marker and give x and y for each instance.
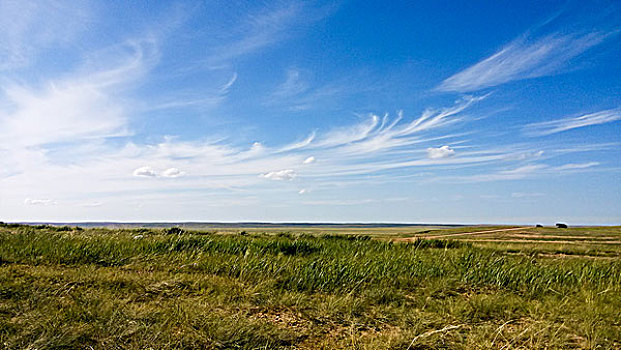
(577, 166)
(226, 87)
(45, 202)
(523, 58)
(569, 123)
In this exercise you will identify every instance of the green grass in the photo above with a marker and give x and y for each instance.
(147, 288)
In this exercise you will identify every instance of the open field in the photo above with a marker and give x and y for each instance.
(410, 287)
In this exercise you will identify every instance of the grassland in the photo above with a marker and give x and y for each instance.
(305, 288)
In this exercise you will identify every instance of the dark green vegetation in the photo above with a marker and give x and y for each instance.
(65, 288)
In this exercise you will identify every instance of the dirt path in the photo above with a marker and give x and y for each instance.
(462, 233)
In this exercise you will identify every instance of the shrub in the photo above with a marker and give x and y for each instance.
(174, 231)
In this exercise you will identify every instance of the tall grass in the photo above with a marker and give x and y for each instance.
(309, 263)
(71, 288)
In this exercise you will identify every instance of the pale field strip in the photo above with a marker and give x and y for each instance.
(500, 240)
(509, 235)
(451, 235)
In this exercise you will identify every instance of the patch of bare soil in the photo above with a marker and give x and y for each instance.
(281, 318)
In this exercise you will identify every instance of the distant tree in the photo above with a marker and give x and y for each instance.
(561, 225)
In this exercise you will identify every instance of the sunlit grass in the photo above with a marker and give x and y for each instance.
(134, 289)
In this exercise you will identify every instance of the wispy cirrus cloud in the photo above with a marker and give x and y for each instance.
(569, 123)
(85, 135)
(336, 202)
(292, 86)
(576, 166)
(73, 116)
(262, 27)
(44, 202)
(527, 195)
(526, 171)
(523, 58)
(27, 28)
(84, 105)
(383, 133)
(297, 93)
(215, 164)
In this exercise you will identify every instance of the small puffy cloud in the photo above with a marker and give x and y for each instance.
(145, 171)
(309, 160)
(172, 172)
(440, 153)
(280, 175)
(303, 191)
(29, 201)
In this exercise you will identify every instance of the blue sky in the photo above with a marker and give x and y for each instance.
(406, 111)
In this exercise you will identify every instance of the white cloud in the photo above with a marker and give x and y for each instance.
(63, 112)
(226, 87)
(523, 58)
(303, 191)
(340, 202)
(68, 120)
(309, 160)
(526, 194)
(292, 86)
(576, 166)
(172, 172)
(382, 134)
(521, 172)
(145, 171)
(44, 202)
(27, 27)
(564, 124)
(287, 174)
(298, 145)
(261, 29)
(257, 147)
(92, 204)
(440, 152)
